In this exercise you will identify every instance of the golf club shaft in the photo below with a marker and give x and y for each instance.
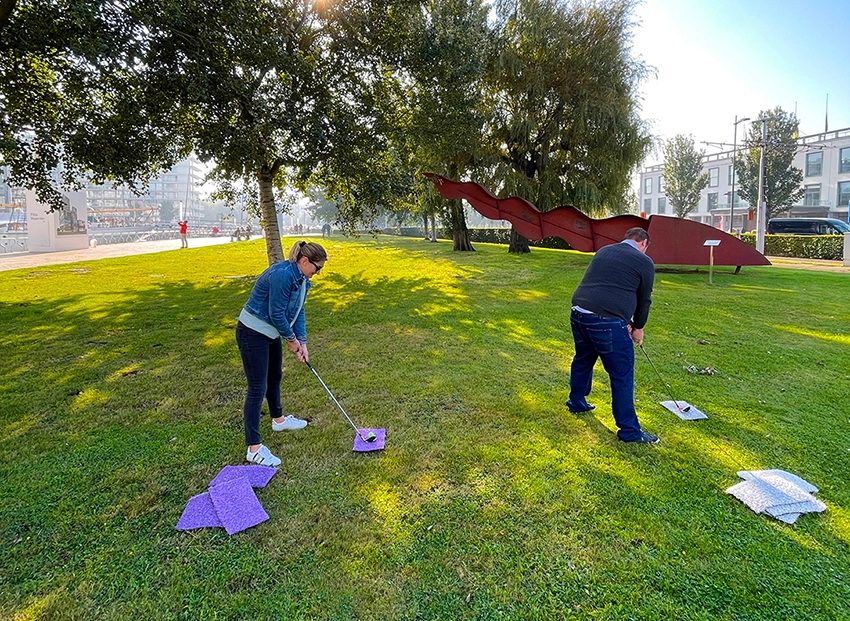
(335, 401)
(652, 364)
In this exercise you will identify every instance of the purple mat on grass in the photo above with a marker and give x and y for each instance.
(258, 476)
(361, 446)
(237, 506)
(199, 513)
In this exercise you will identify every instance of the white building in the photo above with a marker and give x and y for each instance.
(824, 159)
(118, 206)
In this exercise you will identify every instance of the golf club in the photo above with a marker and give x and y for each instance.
(670, 390)
(369, 438)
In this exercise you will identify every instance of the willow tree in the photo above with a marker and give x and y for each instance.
(443, 62)
(564, 93)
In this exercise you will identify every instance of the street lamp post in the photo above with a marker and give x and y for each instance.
(762, 200)
(734, 162)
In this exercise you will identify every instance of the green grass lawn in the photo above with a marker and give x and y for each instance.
(121, 392)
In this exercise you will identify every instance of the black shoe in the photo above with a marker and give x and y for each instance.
(644, 438)
(580, 410)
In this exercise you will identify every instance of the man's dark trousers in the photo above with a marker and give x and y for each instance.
(598, 337)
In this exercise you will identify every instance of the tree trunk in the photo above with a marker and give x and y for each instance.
(460, 234)
(425, 222)
(274, 250)
(519, 244)
(433, 227)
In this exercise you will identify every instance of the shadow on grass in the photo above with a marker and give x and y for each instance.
(489, 497)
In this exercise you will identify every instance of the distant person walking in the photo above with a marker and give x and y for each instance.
(274, 313)
(326, 230)
(184, 233)
(609, 310)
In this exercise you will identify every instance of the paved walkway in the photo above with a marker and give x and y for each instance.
(18, 260)
(822, 265)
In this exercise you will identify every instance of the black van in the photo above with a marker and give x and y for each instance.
(807, 226)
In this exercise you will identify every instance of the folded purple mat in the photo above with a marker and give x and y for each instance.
(258, 476)
(199, 513)
(237, 506)
(361, 446)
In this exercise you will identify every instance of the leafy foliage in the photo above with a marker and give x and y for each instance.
(800, 246)
(74, 101)
(683, 176)
(783, 182)
(564, 93)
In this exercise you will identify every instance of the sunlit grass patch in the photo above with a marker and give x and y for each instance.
(121, 397)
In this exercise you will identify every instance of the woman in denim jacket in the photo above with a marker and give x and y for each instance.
(274, 313)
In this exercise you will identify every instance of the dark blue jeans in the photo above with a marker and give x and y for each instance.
(262, 361)
(598, 337)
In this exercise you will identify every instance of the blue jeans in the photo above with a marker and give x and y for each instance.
(602, 337)
(262, 361)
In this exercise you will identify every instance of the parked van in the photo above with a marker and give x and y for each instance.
(807, 226)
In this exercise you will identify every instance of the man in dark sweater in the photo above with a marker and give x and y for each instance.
(609, 310)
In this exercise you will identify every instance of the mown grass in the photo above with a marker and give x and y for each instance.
(121, 397)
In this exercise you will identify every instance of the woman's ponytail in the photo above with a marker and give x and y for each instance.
(313, 251)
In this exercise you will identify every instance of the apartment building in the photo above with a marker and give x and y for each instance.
(824, 159)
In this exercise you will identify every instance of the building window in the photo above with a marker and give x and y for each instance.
(731, 172)
(647, 185)
(662, 205)
(647, 205)
(814, 164)
(812, 195)
(712, 200)
(844, 193)
(713, 177)
(661, 183)
(844, 160)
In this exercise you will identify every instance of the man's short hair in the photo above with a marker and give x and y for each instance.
(637, 234)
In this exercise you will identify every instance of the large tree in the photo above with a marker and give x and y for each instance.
(272, 92)
(444, 61)
(683, 176)
(279, 93)
(564, 91)
(782, 183)
(74, 103)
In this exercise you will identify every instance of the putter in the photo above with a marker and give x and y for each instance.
(369, 438)
(669, 388)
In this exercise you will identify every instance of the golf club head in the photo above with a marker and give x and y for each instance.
(369, 440)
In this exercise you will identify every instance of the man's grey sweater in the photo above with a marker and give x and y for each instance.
(618, 283)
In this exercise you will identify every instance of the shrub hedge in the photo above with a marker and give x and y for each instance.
(798, 246)
(485, 236)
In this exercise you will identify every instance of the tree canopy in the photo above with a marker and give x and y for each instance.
(683, 176)
(74, 103)
(782, 182)
(357, 97)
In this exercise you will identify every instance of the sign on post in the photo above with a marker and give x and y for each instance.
(711, 243)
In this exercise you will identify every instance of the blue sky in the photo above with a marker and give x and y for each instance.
(715, 59)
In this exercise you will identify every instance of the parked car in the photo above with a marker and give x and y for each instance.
(807, 226)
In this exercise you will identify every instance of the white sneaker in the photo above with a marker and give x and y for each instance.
(263, 456)
(288, 424)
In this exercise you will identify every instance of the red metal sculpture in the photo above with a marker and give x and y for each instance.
(675, 241)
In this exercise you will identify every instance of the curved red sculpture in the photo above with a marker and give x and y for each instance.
(675, 241)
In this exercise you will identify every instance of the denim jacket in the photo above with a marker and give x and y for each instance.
(275, 299)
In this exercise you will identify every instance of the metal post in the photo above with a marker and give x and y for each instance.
(711, 265)
(762, 200)
(734, 163)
